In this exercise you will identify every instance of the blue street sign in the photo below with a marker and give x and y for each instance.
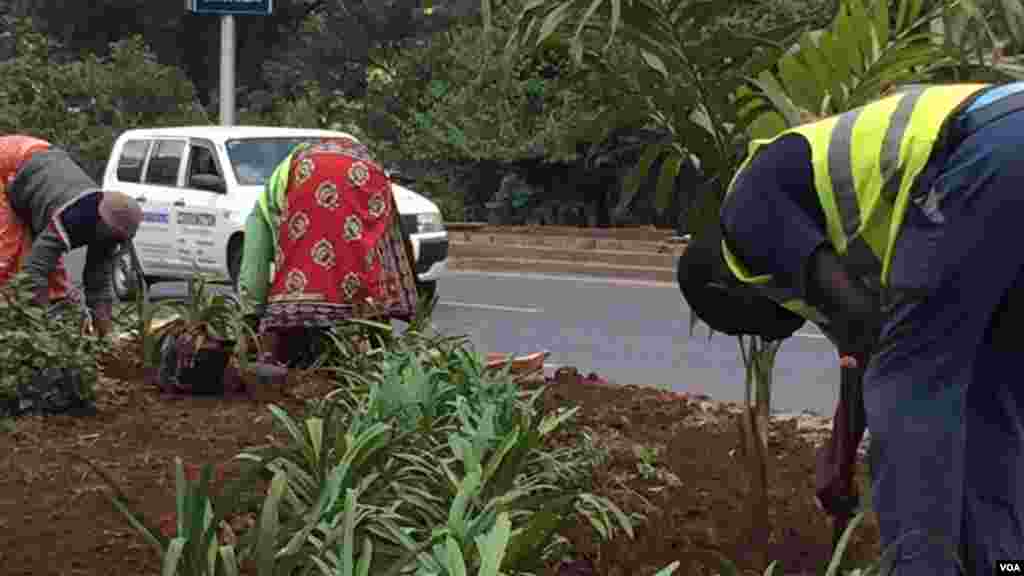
(233, 7)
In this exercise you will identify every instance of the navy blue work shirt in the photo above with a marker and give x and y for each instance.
(772, 219)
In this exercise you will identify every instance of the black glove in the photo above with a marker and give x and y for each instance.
(853, 309)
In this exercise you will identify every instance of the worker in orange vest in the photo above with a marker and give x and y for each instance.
(49, 206)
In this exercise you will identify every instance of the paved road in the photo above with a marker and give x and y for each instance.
(628, 332)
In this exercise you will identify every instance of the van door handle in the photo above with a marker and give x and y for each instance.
(141, 199)
(180, 203)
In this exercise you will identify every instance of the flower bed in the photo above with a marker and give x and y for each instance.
(663, 456)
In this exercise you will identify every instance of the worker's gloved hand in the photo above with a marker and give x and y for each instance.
(103, 318)
(855, 314)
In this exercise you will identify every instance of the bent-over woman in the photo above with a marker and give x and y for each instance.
(323, 245)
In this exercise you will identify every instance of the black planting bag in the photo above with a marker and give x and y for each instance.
(52, 391)
(724, 303)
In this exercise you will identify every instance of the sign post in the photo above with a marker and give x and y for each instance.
(227, 10)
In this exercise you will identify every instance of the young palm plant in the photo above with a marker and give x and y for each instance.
(425, 467)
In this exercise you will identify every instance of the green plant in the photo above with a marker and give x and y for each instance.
(199, 315)
(648, 460)
(662, 65)
(431, 453)
(190, 545)
(868, 48)
(33, 339)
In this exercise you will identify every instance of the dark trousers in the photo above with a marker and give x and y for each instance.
(943, 395)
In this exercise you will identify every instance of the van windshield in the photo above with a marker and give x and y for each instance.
(254, 159)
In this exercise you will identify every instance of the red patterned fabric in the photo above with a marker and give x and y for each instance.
(15, 236)
(340, 253)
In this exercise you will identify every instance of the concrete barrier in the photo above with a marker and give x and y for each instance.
(638, 253)
(612, 257)
(623, 233)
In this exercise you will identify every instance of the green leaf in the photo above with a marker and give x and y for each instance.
(908, 13)
(365, 558)
(632, 182)
(668, 570)
(795, 77)
(181, 495)
(173, 556)
(493, 546)
(456, 564)
(811, 56)
(1013, 11)
(881, 24)
(667, 181)
(844, 541)
(848, 40)
(497, 458)
(528, 542)
(861, 24)
(615, 22)
(585, 19)
(315, 432)
(348, 540)
(655, 62)
(269, 525)
(120, 501)
(468, 488)
(554, 19)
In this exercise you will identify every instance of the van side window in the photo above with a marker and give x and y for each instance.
(201, 162)
(164, 163)
(133, 155)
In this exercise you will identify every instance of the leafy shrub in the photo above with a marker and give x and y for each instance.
(82, 104)
(432, 456)
(424, 462)
(33, 340)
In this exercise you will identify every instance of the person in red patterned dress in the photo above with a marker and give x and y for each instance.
(323, 245)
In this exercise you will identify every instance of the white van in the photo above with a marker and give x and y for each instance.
(198, 184)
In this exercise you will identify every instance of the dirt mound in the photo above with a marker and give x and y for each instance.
(670, 458)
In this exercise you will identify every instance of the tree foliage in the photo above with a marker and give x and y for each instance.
(82, 104)
(684, 70)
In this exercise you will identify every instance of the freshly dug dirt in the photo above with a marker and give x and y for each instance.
(55, 520)
(694, 498)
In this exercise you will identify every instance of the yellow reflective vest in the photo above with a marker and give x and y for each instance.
(865, 164)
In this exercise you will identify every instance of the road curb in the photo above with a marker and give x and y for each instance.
(665, 260)
(565, 241)
(621, 233)
(648, 273)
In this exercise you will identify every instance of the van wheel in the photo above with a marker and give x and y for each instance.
(126, 281)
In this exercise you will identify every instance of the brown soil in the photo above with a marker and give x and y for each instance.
(55, 520)
(695, 503)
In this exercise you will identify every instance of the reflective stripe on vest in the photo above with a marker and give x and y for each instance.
(866, 162)
(860, 257)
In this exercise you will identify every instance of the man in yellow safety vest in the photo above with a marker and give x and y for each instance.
(893, 227)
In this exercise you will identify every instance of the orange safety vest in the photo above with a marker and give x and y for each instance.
(15, 235)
